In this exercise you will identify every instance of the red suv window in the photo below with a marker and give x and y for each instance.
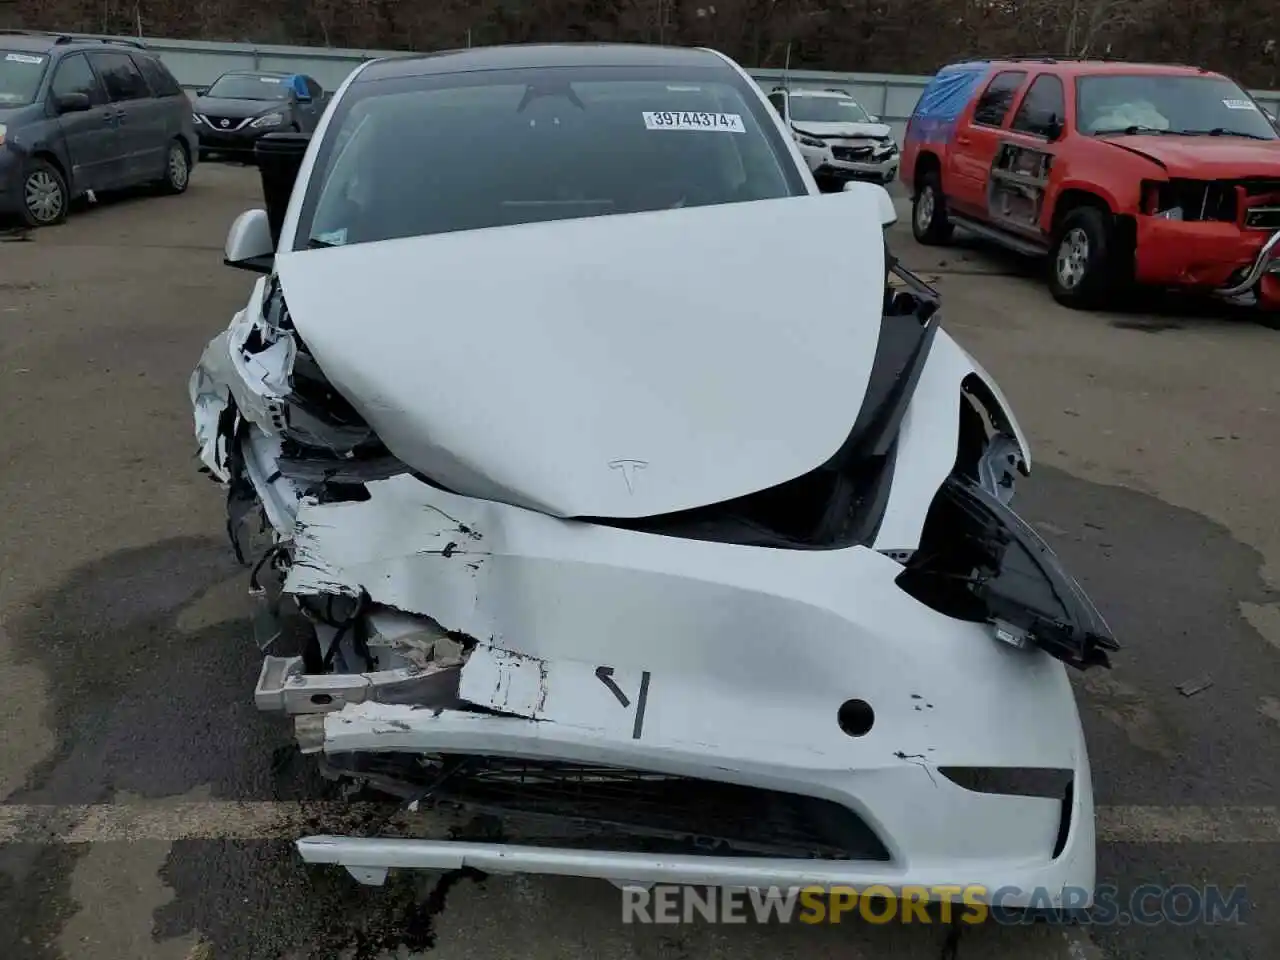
(993, 106)
(1044, 106)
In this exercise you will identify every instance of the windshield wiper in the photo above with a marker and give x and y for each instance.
(1219, 132)
(1129, 131)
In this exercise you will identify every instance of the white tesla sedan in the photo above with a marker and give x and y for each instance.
(590, 529)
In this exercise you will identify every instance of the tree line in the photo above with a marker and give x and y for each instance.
(881, 36)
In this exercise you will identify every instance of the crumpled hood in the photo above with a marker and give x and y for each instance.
(1205, 158)
(848, 130)
(218, 107)
(613, 366)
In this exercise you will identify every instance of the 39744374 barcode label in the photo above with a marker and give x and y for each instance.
(693, 120)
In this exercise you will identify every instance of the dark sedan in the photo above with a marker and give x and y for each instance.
(239, 107)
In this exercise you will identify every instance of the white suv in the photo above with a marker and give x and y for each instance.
(840, 141)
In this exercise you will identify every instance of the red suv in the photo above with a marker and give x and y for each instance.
(1117, 172)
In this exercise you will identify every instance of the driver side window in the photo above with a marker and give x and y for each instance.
(1043, 108)
(76, 76)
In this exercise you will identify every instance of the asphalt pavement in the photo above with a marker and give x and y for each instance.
(126, 670)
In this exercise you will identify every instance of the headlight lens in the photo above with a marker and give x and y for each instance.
(810, 141)
(270, 120)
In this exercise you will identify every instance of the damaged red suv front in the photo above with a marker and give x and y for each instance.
(1222, 233)
(1203, 163)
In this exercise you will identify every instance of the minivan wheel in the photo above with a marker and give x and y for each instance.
(177, 169)
(929, 222)
(44, 194)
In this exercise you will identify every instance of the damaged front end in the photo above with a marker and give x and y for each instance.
(854, 675)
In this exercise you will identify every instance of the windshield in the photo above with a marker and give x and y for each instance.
(828, 110)
(424, 155)
(20, 75)
(248, 86)
(1168, 104)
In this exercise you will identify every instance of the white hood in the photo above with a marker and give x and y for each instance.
(615, 366)
(865, 131)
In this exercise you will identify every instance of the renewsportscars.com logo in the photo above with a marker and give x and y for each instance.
(1146, 904)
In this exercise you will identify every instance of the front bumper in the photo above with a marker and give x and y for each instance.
(828, 164)
(238, 141)
(884, 171)
(734, 666)
(1218, 257)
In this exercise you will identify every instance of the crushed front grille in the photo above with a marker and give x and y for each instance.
(612, 808)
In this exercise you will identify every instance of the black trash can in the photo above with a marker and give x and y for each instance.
(279, 155)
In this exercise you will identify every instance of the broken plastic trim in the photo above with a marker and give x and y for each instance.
(605, 807)
(978, 560)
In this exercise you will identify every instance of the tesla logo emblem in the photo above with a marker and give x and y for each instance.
(226, 123)
(628, 468)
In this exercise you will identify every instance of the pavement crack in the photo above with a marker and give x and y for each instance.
(951, 946)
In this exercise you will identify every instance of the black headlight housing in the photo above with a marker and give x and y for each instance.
(980, 561)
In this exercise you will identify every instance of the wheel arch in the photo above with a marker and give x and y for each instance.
(1124, 228)
(50, 156)
(1073, 198)
(926, 162)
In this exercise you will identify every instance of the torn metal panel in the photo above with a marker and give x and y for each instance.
(398, 547)
(277, 493)
(210, 402)
(256, 381)
(284, 687)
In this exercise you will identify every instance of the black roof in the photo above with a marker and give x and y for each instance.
(524, 56)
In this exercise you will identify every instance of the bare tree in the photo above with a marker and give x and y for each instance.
(890, 36)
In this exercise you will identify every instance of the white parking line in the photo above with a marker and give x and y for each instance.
(265, 820)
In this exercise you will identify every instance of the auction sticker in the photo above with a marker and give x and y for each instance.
(22, 58)
(1239, 105)
(692, 120)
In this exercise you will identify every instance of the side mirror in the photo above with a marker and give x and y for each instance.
(249, 244)
(873, 118)
(303, 97)
(201, 91)
(279, 156)
(1054, 128)
(72, 103)
(884, 202)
